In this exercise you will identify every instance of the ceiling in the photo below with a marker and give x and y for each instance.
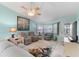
(50, 11)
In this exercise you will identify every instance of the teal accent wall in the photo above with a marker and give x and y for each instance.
(8, 18)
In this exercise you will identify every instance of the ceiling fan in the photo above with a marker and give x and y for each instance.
(33, 10)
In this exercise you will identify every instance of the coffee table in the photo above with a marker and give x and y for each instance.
(40, 52)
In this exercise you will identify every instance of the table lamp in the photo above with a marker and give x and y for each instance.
(12, 29)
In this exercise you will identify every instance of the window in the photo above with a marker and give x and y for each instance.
(40, 29)
(43, 29)
(47, 28)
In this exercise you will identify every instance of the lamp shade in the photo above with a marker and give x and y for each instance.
(13, 29)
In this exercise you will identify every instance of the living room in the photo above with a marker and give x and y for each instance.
(20, 28)
(33, 30)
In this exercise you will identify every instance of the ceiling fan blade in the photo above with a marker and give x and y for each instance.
(24, 7)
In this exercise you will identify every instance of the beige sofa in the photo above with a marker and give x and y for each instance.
(8, 49)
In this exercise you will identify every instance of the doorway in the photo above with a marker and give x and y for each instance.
(70, 32)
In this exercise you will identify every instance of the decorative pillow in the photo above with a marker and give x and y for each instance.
(13, 40)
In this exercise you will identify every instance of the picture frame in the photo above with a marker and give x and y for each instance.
(23, 23)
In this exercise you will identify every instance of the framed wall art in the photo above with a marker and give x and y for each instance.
(22, 23)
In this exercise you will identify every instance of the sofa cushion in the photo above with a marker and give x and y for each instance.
(4, 45)
(15, 51)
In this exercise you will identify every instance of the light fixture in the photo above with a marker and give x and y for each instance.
(12, 30)
(32, 10)
(30, 13)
